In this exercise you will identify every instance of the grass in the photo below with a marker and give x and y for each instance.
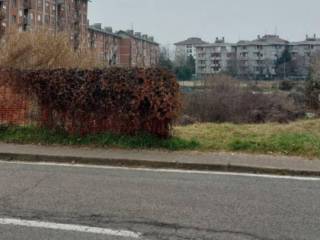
(301, 138)
(34, 135)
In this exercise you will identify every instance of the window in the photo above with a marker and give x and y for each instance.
(215, 55)
(14, 19)
(14, 3)
(244, 54)
(47, 19)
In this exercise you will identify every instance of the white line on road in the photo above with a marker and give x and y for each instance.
(69, 227)
(167, 170)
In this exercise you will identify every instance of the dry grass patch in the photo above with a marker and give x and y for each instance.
(44, 50)
(301, 138)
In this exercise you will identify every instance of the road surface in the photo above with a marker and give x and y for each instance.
(40, 202)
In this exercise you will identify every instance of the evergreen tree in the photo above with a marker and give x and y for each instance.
(185, 68)
(285, 65)
(191, 64)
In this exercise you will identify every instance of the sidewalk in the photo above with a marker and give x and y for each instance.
(162, 159)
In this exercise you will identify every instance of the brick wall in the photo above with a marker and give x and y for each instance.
(17, 109)
(125, 52)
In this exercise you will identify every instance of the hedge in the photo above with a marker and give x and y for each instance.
(116, 100)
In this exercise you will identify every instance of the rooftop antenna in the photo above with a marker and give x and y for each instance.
(276, 30)
(132, 26)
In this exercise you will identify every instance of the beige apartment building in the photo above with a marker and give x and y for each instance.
(214, 57)
(188, 47)
(254, 58)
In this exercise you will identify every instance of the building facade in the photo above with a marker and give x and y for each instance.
(105, 43)
(213, 58)
(303, 51)
(138, 50)
(187, 47)
(124, 48)
(256, 58)
(57, 15)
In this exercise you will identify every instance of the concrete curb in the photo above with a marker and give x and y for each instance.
(135, 163)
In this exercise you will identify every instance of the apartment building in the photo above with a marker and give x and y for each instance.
(303, 51)
(126, 48)
(138, 49)
(188, 47)
(256, 58)
(105, 43)
(213, 58)
(56, 15)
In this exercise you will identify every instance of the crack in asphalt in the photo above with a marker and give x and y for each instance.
(5, 200)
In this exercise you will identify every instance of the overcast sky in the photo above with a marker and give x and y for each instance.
(170, 21)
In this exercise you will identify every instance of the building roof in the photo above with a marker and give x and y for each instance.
(131, 34)
(265, 40)
(208, 45)
(104, 31)
(219, 42)
(191, 41)
(309, 41)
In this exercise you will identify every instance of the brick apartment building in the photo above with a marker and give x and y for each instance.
(138, 49)
(124, 48)
(56, 15)
(106, 43)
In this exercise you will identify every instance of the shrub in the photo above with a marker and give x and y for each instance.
(286, 85)
(224, 100)
(43, 50)
(313, 85)
(118, 100)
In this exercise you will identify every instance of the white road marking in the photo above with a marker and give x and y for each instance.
(166, 170)
(69, 227)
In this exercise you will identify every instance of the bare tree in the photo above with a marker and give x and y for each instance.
(313, 84)
(301, 65)
(110, 51)
(77, 24)
(2, 17)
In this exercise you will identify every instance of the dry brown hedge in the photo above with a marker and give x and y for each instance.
(118, 100)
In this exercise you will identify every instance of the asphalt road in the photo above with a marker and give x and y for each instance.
(155, 205)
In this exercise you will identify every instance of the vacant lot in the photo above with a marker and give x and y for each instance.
(301, 138)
